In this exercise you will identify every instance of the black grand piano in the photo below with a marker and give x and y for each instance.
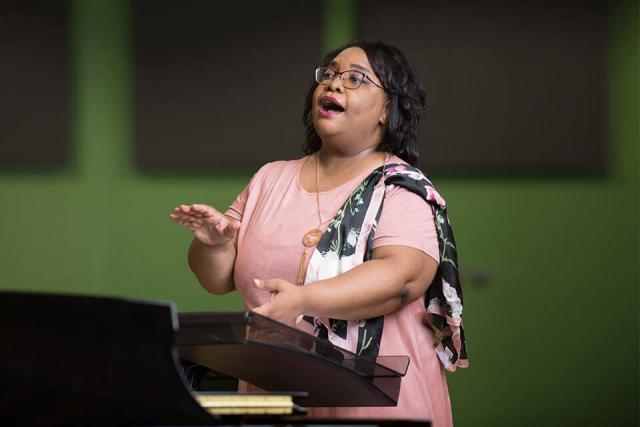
(84, 360)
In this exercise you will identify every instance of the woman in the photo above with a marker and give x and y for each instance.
(364, 232)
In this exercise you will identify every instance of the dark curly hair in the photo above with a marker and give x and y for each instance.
(404, 94)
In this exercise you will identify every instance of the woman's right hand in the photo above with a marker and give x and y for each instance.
(207, 224)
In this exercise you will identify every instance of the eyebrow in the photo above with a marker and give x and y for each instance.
(356, 66)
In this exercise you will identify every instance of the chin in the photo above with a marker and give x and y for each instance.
(326, 129)
(325, 133)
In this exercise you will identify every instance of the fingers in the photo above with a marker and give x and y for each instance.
(271, 285)
(197, 210)
(207, 224)
(179, 218)
(184, 214)
(271, 311)
(205, 211)
(183, 209)
(262, 310)
(182, 218)
(180, 214)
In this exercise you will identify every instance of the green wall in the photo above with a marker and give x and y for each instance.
(552, 335)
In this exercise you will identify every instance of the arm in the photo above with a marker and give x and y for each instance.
(213, 265)
(212, 253)
(396, 276)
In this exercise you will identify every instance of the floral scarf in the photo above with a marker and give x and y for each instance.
(347, 243)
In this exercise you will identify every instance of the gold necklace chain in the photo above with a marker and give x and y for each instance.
(312, 237)
(318, 188)
(320, 221)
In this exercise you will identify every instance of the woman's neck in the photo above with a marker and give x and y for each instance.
(336, 169)
(326, 170)
(335, 164)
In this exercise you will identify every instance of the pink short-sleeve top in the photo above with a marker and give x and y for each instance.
(275, 212)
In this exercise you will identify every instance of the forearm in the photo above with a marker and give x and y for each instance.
(371, 289)
(396, 276)
(213, 266)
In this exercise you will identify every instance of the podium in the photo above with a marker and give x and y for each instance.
(82, 360)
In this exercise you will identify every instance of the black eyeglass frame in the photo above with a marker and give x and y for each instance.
(340, 73)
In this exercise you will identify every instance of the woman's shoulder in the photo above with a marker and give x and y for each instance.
(394, 159)
(276, 170)
(280, 165)
(403, 178)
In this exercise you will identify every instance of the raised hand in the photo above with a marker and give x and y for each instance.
(207, 224)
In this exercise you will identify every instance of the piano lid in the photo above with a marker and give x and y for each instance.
(90, 360)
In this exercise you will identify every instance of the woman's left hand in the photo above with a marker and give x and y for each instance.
(287, 300)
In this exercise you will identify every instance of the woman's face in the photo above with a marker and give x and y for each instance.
(357, 122)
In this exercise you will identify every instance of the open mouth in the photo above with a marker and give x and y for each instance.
(330, 105)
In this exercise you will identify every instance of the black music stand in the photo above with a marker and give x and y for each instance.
(279, 358)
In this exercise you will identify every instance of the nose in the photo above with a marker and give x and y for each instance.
(335, 85)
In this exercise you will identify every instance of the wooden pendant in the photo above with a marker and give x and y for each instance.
(312, 237)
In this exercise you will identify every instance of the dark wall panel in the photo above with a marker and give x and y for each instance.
(221, 85)
(33, 82)
(510, 85)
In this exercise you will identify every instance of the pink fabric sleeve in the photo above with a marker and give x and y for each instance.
(236, 210)
(237, 207)
(407, 220)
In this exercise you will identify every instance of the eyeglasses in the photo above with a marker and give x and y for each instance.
(351, 79)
